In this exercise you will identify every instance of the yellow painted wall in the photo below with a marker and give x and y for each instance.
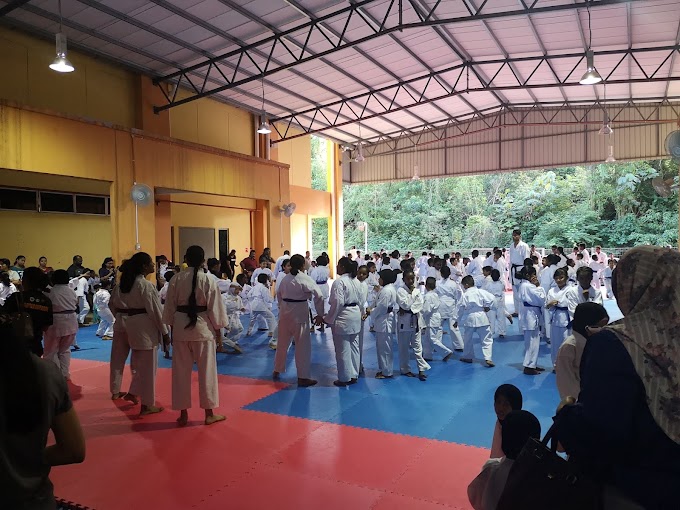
(213, 123)
(56, 236)
(236, 220)
(298, 154)
(95, 90)
(300, 233)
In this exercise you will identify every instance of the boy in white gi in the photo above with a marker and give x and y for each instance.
(373, 282)
(234, 307)
(362, 279)
(344, 318)
(410, 301)
(260, 305)
(106, 319)
(62, 333)
(497, 314)
(320, 274)
(472, 316)
(584, 292)
(519, 251)
(450, 294)
(81, 288)
(607, 275)
(263, 269)
(532, 298)
(557, 303)
(432, 329)
(383, 321)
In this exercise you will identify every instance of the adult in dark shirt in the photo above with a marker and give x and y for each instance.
(267, 257)
(625, 429)
(76, 269)
(34, 399)
(32, 300)
(249, 263)
(108, 270)
(229, 265)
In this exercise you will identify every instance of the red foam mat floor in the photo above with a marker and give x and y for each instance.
(254, 460)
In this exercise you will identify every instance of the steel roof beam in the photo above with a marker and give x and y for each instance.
(245, 56)
(12, 6)
(333, 108)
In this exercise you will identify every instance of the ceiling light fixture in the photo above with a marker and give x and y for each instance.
(360, 148)
(591, 76)
(264, 128)
(416, 167)
(606, 128)
(61, 64)
(610, 157)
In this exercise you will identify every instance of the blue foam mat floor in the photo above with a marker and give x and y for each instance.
(455, 404)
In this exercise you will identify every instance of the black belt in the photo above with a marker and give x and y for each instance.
(390, 309)
(187, 309)
(65, 312)
(352, 304)
(321, 283)
(131, 311)
(531, 306)
(294, 300)
(607, 277)
(563, 308)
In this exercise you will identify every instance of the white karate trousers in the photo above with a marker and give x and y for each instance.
(485, 338)
(409, 340)
(184, 355)
(383, 347)
(432, 337)
(532, 340)
(346, 355)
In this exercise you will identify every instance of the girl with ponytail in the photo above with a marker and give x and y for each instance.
(138, 328)
(194, 309)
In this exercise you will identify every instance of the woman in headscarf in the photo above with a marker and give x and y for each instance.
(588, 319)
(624, 432)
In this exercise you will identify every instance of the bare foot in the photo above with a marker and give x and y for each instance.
(183, 419)
(150, 410)
(131, 398)
(214, 418)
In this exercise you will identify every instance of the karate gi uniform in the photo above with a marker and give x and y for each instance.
(258, 272)
(163, 293)
(450, 294)
(363, 303)
(278, 267)
(106, 318)
(321, 275)
(6, 291)
(260, 306)
(607, 275)
(140, 333)
(234, 329)
(484, 492)
(62, 333)
(344, 318)
(82, 286)
(395, 264)
(547, 281)
(517, 255)
(384, 324)
(530, 317)
(194, 344)
(432, 329)
(576, 296)
(474, 269)
(560, 319)
(473, 318)
(421, 266)
(408, 329)
(568, 366)
(292, 294)
(496, 315)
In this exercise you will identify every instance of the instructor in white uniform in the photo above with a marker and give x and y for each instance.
(519, 250)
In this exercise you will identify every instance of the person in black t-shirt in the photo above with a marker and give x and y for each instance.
(35, 303)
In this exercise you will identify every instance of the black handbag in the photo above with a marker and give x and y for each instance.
(22, 322)
(541, 479)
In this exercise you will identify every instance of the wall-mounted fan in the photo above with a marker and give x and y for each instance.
(287, 209)
(663, 187)
(141, 194)
(672, 145)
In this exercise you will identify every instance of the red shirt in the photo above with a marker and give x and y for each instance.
(249, 263)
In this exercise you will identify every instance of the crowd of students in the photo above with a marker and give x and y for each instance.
(195, 308)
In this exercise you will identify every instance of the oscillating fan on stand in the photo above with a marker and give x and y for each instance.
(141, 194)
(663, 187)
(286, 210)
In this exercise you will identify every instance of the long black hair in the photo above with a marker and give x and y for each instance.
(195, 256)
(20, 383)
(350, 267)
(297, 263)
(35, 279)
(131, 268)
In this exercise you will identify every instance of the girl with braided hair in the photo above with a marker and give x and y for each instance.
(194, 309)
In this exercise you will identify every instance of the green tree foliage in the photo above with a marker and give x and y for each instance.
(609, 204)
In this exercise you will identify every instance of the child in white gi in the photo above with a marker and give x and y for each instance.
(450, 295)
(373, 282)
(472, 316)
(234, 306)
(7, 288)
(362, 279)
(260, 305)
(320, 274)
(557, 303)
(62, 333)
(532, 297)
(344, 318)
(82, 285)
(383, 320)
(410, 301)
(432, 329)
(163, 293)
(106, 319)
(607, 274)
(497, 314)
(485, 491)
(263, 269)
(584, 292)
